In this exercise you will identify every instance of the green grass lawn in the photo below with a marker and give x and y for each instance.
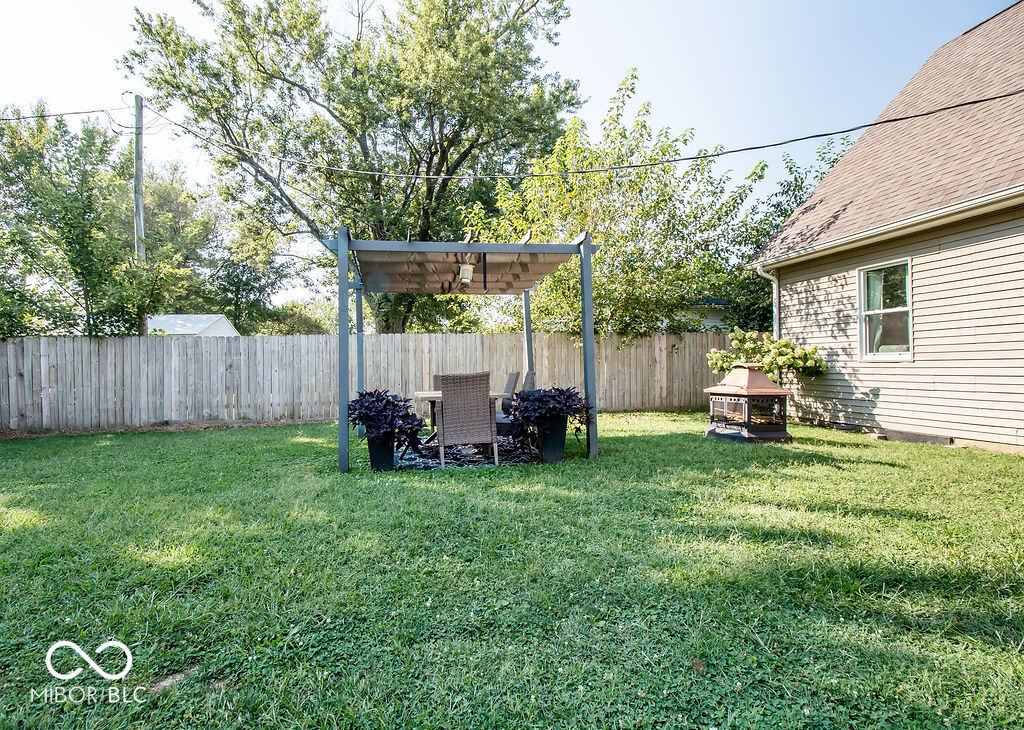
(674, 581)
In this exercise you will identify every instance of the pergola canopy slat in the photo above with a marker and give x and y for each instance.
(436, 272)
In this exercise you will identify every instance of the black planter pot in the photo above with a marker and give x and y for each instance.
(552, 439)
(382, 452)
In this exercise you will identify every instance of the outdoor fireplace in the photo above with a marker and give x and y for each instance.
(748, 406)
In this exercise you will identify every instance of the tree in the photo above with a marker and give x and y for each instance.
(301, 318)
(750, 295)
(32, 301)
(245, 276)
(445, 88)
(27, 307)
(447, 312)
(59, 221)
(665, 231)
(182, 220)
(67, 227)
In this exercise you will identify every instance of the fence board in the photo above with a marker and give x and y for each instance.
(5, 389)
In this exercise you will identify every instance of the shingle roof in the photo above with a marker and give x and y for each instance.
(183, 324)
(908, 168)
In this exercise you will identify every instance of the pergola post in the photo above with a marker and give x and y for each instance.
(527, 330)
(343, 247)
(589, 368)
(360, 354)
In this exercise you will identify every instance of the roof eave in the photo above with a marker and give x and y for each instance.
(981, 205)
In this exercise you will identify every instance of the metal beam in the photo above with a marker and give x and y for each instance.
(343, 244)
(589, 369)
(528, 330)
(360, 360)
(460, 247)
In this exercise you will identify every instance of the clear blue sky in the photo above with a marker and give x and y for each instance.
(744, 72)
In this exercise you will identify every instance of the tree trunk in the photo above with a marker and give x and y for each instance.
(141, 321)
(391, 326)
(391, 312)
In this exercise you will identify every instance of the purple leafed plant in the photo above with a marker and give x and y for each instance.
(533, 410)
(381, 412)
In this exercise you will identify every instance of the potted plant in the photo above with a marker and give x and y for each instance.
(541, 418)
(389, 422)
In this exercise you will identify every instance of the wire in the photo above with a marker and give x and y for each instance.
(228, 146)
(26, 117)
(584, 171)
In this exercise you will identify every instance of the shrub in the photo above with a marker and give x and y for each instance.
(532, 409)
(381, 412)
(775, 355)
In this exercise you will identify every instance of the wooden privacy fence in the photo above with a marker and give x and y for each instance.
(78, 383)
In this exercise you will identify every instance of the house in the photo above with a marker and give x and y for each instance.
(906, 264)
(710, 313)
(199, 325)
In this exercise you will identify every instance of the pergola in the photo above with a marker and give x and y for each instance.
(438, 267)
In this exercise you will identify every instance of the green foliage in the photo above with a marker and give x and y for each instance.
(439, 88)
(776, 355)
(444, 313)
(664, 231)
(750, 295)
(27, 307)
(319, 317)
(68, 262)
(66, 253)
(750, 301)
(673, 582)
(769, 215)
(242, 291)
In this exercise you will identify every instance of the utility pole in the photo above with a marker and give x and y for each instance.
(140, 229)
(140, 232)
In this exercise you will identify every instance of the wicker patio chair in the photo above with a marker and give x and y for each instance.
(465, 413)
(510, 388)
(502, 419)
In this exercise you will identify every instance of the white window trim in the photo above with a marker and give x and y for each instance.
(862, 337)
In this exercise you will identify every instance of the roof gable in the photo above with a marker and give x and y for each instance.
(905, 169)
(185, 324)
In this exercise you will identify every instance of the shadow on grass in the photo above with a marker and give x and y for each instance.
(836, 508)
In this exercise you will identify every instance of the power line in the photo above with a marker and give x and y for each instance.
(583, 171)
(26, 117)
(231, 147)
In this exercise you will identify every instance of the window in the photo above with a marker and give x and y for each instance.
(885, 312)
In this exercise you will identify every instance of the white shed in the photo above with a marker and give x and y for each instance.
(198, 325)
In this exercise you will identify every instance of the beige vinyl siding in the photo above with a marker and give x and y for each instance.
(966, 376)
